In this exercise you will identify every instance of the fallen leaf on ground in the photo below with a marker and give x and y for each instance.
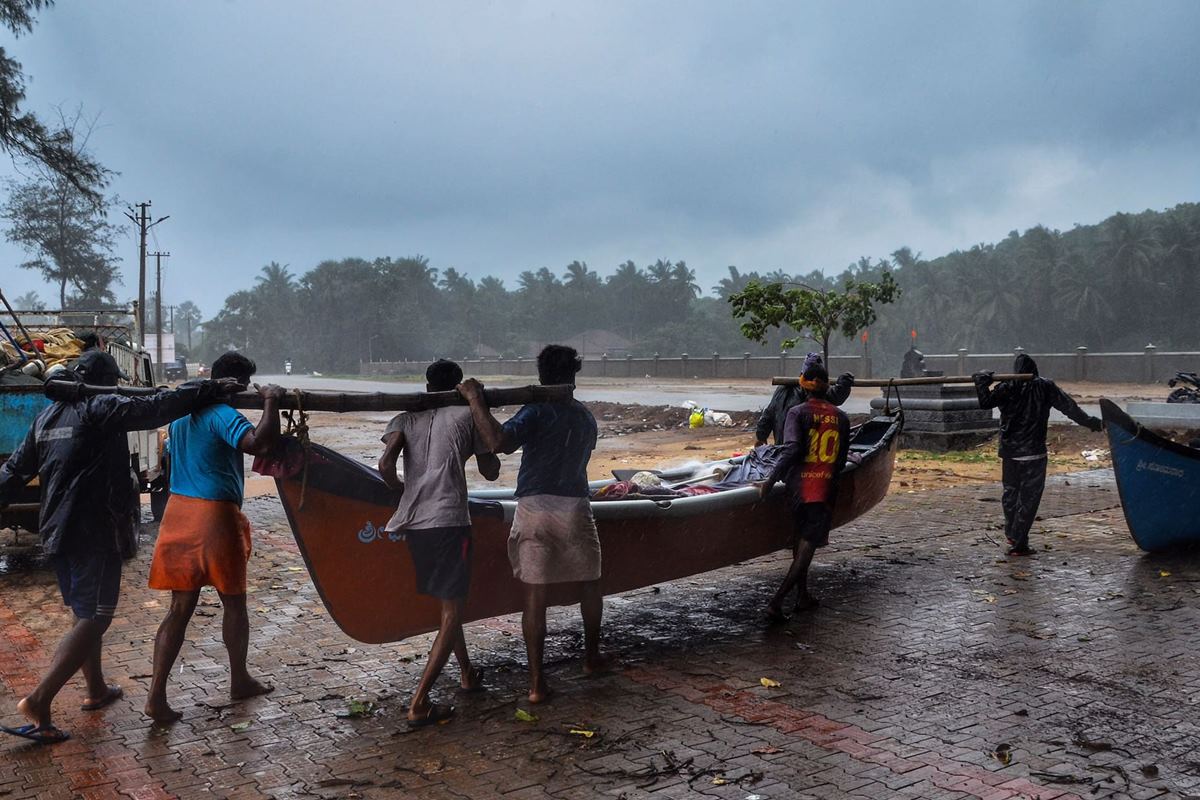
(582, 732)
(1162, 573)
(719, 781)
(770, 684)
(359, 708)
(239, 726)
(766, 751)
(524, 716)
(991, 598)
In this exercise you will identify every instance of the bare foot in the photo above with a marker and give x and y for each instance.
(598, 664)
(805, 602)
(540, 694)
(38, 716)
(162, 713)
(472, 681)
(248, 688)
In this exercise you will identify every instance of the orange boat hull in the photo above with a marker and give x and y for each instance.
(366, 580)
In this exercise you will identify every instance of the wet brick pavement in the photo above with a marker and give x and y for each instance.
(929, 653)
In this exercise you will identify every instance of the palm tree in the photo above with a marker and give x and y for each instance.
(188, 315)
(30, 301)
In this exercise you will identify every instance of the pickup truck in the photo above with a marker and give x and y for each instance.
(21, 402)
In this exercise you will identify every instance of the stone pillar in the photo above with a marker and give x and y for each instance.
(1081, 363)
(1148, 364)
(962, 361)
(782, 362)
(628, 365)
(604, 365)
(683, 365)
(1018, 350)
(716, 365)
(745, 365)
(656, 365)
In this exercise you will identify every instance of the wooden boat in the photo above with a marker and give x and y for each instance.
(337, 508)
(1158, 481)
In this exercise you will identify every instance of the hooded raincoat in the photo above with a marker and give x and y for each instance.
(1025, 409)
(79, 450)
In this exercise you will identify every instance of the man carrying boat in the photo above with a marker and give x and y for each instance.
(553, 537)
(436, 519)
(204, 538)
(79, 450)
(816, 442)
(1024, 416)
(774, 416)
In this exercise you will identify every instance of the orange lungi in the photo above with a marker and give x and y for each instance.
(201, 543)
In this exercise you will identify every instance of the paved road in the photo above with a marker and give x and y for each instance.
(929, 653)
(718, 395)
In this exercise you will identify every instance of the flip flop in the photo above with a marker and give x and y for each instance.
(437, 714)
(113, 694)
(479, 672)
(40, 734)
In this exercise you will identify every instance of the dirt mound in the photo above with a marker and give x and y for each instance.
(618, 419)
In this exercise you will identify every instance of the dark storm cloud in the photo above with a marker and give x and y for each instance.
(498, 137)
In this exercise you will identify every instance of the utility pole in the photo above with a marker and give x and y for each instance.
(141, 219)
(158, 257)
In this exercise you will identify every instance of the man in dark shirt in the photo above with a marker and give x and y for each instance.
(553, 537)
(79, 450)
(1024, 415)
(816, 441)
(773, 417)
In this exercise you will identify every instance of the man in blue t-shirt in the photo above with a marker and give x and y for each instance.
(204, 539)
(553, 537)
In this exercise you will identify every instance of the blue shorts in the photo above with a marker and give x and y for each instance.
(90, 581)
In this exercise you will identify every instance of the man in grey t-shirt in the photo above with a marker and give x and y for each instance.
(435, 517)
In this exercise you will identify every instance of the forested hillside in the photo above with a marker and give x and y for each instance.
(1130, 280)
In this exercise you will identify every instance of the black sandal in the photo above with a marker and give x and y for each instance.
(437, 715)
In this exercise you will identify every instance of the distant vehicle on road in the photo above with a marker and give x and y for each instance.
(175, 370)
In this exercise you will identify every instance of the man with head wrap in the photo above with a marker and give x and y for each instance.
(773, 417)
(1024, 415)
(79, 451)
(816, 442)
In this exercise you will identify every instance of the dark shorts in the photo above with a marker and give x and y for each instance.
(442, 558)
(812, 523)
(90, 581)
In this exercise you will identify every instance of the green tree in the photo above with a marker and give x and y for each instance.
(23, 135)
(30, 301)
(814, 313)
(63, 228)
(187, 318)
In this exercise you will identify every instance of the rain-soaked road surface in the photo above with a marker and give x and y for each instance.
(934, 669)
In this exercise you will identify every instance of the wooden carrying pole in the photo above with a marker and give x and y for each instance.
(349, 401)
(924, 381)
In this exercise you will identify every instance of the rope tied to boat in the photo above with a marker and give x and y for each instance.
(299, 429)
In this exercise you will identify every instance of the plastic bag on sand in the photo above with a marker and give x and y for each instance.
(719, 418)
(696, 419)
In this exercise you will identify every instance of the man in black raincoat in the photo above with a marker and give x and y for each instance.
(79, 449)
(773, 417)
(1024, 414)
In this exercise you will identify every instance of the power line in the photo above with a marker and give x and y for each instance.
(141, 218)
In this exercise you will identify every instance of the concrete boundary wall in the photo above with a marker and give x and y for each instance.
(1145, 366)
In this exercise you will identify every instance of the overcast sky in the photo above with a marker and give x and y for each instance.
(498, 137)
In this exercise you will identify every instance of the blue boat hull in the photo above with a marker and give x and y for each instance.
(1158, 480)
